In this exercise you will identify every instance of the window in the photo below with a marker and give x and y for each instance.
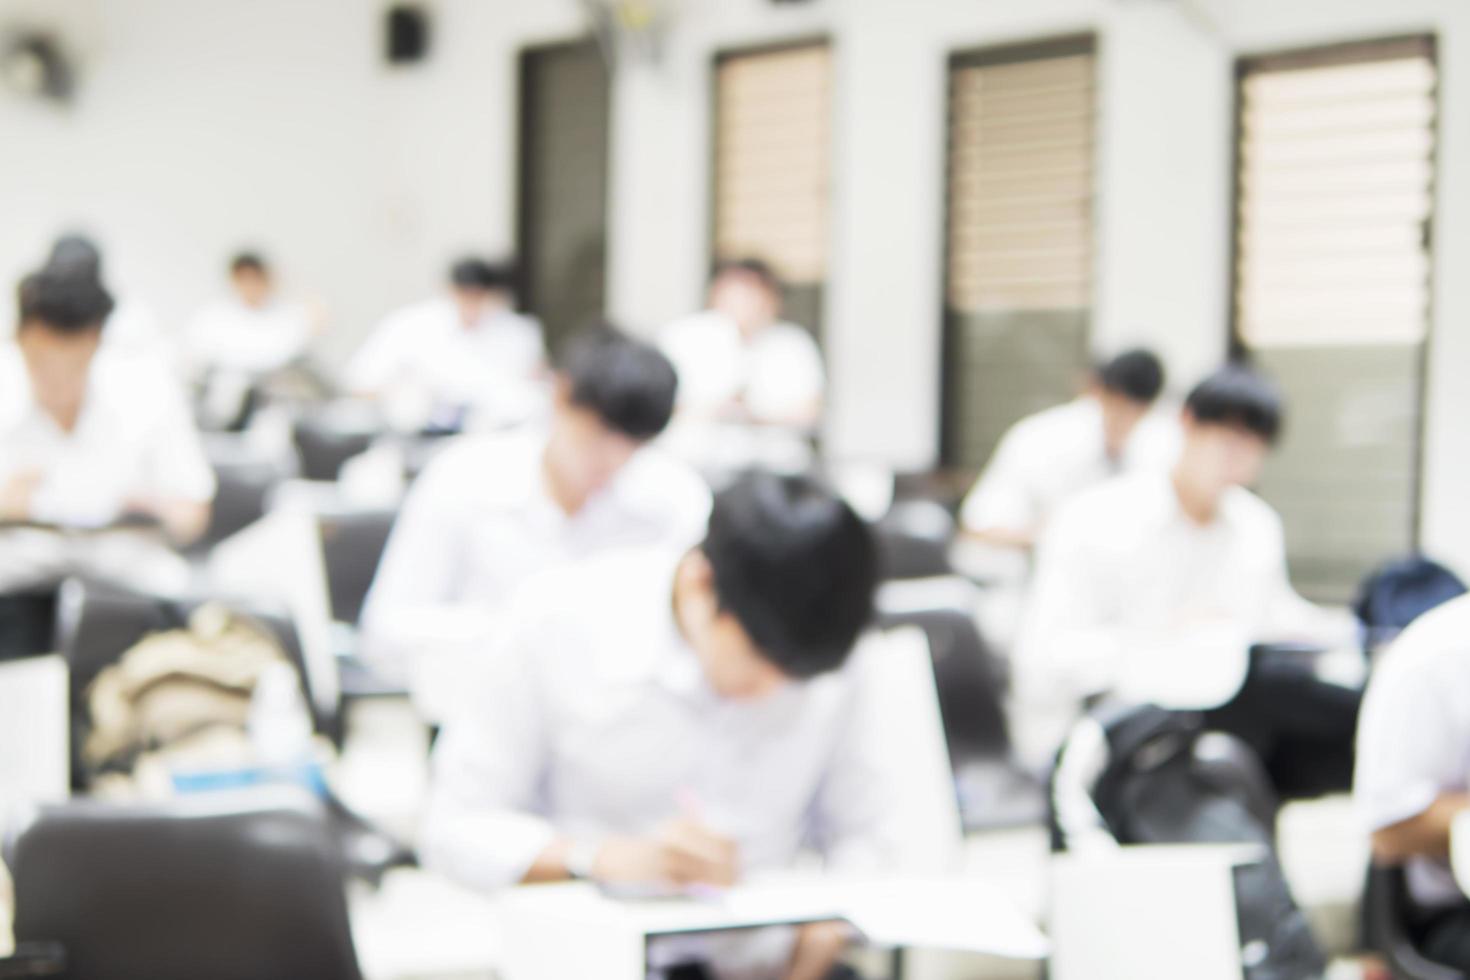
(772, 160)
(1334, 200)
(1018, 278)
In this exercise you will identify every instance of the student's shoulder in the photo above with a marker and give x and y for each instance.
(657, 475)
(584, 599)
(1246, 509)
(484, 461)
(1433, 652)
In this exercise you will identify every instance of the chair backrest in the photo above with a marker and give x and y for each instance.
(224, 886)
(325, 442)
(352, 547)
(243, 487)
(97, 623)
(1386, 927)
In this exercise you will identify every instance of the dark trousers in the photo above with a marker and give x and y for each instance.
(1301, 727)
(27, 623)
(1444, 937)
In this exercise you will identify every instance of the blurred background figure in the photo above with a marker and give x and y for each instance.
(751, 385)
(91, 438)
(462, 360)
(238, 341)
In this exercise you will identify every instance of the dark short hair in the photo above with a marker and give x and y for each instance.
(795, 566)
(75, 255)
(471, 272)
(249, 262)
(62, 302)
(629, 383)
(1240, 397)
(1135, 374)
(750, 266)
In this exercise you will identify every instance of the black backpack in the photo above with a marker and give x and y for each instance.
(1168, 780)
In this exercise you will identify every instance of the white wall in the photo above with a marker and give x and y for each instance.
(206, 123)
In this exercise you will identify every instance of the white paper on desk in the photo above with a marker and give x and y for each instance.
(33, 715)
(954, 915)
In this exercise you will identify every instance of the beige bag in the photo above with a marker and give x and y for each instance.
(184, 695)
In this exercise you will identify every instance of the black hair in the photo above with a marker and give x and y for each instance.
(476, 273)
(62, 302)
(249, 262)
(1241, 397)
(750, 266)
(1135, 374)
(795, 566)
(629, 383)
(75, 255)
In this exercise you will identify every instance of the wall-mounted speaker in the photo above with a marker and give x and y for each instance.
(406, 34)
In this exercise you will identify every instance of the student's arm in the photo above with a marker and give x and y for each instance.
(1291, 618)
(1071, 642)
(180, 486)
(1407, 758)
(411, 609)
(378, 362)
(482, 826)
(999, 510)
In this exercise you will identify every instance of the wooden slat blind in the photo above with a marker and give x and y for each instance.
(1021, 183)
(1334, 194)
(772, 158)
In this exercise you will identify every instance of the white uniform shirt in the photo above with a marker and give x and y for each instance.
(231, 336)
(480, 522)
(134, 438)
(1132, 596)
(1046, 459)
(1414, 735)
(426, 358)
(598, 720)
(778, 372)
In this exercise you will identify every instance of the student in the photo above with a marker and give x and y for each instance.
(750, 384)
(251, 333)
(657, 719)
(90, 436)
(1413, 771)
(1155, 585)
(465, 358)
(132, 327)
(1048, 458)
(493, 510)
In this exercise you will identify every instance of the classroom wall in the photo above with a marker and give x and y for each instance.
(291, 134)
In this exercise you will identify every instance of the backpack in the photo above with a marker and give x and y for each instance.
(1159, 777)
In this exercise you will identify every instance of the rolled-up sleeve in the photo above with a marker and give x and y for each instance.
(1408, 747)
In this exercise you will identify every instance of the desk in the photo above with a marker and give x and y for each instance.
(556, 931)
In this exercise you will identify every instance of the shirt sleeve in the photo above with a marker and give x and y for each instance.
(482, 826)
(178, 469)
(1291, 618)
(412, 608)
(790, 378)
(876, 810)
(380, 359)
(1408, 744)
(1000, 498)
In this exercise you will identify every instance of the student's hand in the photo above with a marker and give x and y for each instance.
(819, 948)
(681, 852)
(16, 494)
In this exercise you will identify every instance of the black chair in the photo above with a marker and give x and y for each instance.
(97, 624)
(228, 887)
(239, 500)
(352, 547)
(914, 539)
(327, 439)
(1386, 914)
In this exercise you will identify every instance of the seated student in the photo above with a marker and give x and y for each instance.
(493, 510)
(750, 384)
(1048, 458)
(1155, 585)
(660, 720)
(465, 358)
(90, 436)
(253, 331)
(1413, 771)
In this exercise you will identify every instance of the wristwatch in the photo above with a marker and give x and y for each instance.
(581, 858)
